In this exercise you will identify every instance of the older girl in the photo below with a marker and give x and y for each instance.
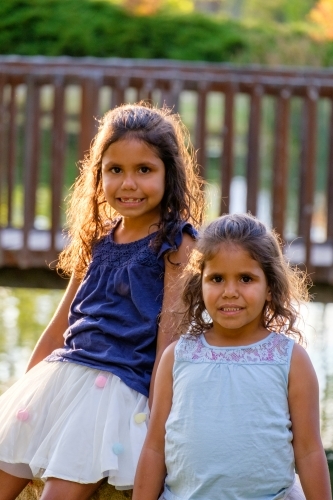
(80, 413)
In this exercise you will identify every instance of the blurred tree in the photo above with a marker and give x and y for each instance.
(322, 16)
(297, 10)
(185, 6)
(210, 6)
(151, 7)
(143, 7)
(282, 11)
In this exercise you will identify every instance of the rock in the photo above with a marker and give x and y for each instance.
(34, 490)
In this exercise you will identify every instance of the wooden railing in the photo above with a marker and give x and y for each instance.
(48, 108)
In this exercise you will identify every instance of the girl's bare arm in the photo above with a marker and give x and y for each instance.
(52, 337)
(311, 463)
(151, 470)
(172, 292)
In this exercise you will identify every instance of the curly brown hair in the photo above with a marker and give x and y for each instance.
(288, 286)
(89, 216)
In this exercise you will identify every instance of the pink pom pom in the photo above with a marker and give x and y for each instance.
(22, 415)
(100, 381)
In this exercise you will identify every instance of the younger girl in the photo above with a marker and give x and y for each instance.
(80, 413)
(236, 399)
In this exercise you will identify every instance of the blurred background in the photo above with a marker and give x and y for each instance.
(252, 81)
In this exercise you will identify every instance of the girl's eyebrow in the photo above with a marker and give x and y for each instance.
(212, 274)
(107, 164)
(141, 164)
(248, 273)
(146, 164)
(240, 273)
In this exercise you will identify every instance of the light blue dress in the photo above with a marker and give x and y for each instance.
(228, 436)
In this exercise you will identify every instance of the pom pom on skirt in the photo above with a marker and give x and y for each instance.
(72, 422)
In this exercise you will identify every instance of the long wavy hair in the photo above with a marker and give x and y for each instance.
(89, 216)
(288, 286)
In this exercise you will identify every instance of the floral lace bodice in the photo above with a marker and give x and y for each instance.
(274, 349)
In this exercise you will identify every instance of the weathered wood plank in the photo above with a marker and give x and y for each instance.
(280, 161)
(253, 157)
(227, 157)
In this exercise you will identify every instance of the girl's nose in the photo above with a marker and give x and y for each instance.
(129, 182)
(230, 290)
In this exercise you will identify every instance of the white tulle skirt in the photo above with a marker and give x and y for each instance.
(72, 422)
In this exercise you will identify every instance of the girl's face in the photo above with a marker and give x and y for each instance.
(133, 179)
(234, 291)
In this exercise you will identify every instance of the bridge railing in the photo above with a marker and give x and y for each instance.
(48, 108)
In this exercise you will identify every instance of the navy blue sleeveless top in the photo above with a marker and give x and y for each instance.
(113, 319)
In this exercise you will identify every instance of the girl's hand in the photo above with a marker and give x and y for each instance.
(311, 463)
(150, 473)
(52, 337)
(168, 320)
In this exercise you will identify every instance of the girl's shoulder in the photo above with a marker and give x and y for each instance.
(177, 231)
(185, 227)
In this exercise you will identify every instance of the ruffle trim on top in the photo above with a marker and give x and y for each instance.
(72, 422)
(139, 251)
(184, 227)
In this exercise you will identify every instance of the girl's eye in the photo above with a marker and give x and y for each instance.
(217, 279)
(144, 170)
(115, 170)
(246, 279)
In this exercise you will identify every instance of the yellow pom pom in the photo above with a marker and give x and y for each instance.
(140, 417)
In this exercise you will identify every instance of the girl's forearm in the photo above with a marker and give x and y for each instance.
(149, 477)
(314, 476)
(45, 345)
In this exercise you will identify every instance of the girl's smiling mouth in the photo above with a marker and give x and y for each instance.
(131, 200)
(230, 309)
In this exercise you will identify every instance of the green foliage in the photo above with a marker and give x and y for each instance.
(280, 11)
(328, 54)
(297, 10)
(101, 29)
(189, 37)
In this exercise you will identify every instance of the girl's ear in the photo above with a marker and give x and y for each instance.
(269, 295)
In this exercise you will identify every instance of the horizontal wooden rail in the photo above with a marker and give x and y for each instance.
(48, 112)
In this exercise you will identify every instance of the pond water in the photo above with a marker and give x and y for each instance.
(25, 312)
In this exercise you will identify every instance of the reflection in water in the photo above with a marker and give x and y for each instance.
(25, 312)
(318, 319)
(23, 315)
